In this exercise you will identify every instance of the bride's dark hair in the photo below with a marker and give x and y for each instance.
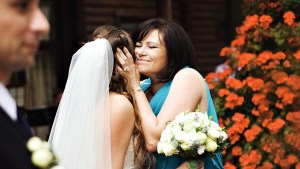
(119, 38)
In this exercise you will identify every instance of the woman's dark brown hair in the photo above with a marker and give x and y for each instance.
(119, 38)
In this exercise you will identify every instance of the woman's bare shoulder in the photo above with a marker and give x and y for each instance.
(120, 104)
(189, 75)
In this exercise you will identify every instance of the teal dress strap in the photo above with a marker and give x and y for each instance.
(172, 162)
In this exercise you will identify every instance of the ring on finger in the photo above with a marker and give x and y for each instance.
(126, 69)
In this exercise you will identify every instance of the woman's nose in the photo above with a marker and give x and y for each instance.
(140, 51)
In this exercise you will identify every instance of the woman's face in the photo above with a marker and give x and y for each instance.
(151, 54)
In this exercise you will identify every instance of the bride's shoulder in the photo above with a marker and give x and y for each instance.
(120, 104)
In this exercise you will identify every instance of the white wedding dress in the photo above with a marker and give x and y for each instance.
(129, 158)
(80, 134)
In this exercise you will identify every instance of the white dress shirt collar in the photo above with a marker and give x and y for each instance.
(8, 103)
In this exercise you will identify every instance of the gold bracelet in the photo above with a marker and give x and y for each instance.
(137, 89)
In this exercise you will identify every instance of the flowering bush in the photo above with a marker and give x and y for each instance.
(257, 94)
(192, 135)
(42, 154)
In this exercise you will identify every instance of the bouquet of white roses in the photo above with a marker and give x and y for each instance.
(192, 135)
(42, 154)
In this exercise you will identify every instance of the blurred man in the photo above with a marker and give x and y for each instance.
(21, 25)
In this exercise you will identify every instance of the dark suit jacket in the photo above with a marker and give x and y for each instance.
(13, 139)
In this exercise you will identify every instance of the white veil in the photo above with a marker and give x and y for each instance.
(80, 135)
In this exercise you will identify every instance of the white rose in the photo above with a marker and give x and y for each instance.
(179, 118)
(160, 146)
(34, 143)
(175, 129)
(180, 136)
(201, 150)
(169, 150)
(201, 137)
(215, 125)
(190, 116)
(210, 145)
(188, 126)
(185, 146)
(190, 138)
(223, 136)
(201, 120)
(213, 133)
(166, 135)
(42, 158)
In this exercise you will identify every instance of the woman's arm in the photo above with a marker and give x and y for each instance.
(187, 90)
(185, 94)
(122, 124)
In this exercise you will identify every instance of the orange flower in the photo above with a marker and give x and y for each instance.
(265, 21)
(237, 151)
(225, 51)
(233, 83)
(229, 166)
(264, 106)
(293, 117)
(244, 59)
(223, 92)
(255, 112)
(263, 57)
(279, 56)
(279, 105)
(244, 160)
(224, 74)
(255, 156)
(288, 98)
(251, 134)
(289, 17)
(273, 4)
(255, 84)
(293, 139)
(294, 82)
(266, 165)
(252, 166)
(292, 159)
(239, 41)
(297, 166)
(275, 126)
(234, 138)
(297, 55)
(238, 117)
(281, 91)
(210, 77)
(286, 64)
(279, 77)
(233, 100)
(250, 22)
(257, 98)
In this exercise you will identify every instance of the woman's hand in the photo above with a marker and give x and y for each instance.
(129, 67)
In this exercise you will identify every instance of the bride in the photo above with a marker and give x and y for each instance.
(96, 125)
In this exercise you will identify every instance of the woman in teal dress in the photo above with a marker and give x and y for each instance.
(165, 55)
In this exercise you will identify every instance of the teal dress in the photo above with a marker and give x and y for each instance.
(172, 162)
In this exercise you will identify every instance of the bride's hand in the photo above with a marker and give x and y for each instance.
(128, 66)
